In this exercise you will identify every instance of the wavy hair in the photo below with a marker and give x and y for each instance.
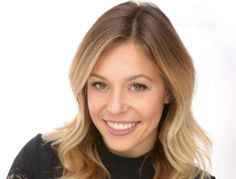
(182, 147)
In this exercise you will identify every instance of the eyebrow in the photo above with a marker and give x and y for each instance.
(128, 79)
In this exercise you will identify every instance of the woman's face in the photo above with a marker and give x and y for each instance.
(125, 97)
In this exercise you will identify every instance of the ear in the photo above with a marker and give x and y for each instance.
(167, 97)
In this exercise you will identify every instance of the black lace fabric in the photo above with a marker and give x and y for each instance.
(35, 160)
(17, 173)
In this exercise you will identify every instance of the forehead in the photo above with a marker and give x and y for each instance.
(125, 58)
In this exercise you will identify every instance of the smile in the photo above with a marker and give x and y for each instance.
(121, 126)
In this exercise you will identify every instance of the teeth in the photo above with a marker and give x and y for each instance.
(120, 126)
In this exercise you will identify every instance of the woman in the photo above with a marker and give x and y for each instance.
(133, 80)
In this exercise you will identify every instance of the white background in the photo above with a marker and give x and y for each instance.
(38, 40)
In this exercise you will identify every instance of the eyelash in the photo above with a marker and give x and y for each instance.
(141, 87)
(134, 86)
(97, 85)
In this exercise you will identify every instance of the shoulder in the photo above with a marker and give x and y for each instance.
(37, 150)
(36, 159)
(38, 147)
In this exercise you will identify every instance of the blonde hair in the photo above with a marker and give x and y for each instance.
(182, 148)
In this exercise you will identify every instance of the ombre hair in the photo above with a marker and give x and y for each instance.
(182, 148)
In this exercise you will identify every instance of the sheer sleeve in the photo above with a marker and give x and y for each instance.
(36, 159)
(18, 173)
(22, 166)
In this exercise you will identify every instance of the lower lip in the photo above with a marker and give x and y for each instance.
(121, 132)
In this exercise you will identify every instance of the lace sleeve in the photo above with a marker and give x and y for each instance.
(22, 166)
(17, 173)
(36, 160)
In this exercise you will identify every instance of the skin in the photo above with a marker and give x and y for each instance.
(125, 87)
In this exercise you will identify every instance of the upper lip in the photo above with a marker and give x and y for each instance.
(120, 121)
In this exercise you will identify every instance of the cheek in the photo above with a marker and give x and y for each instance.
(94, 105)
(91, 104)
(151, 107)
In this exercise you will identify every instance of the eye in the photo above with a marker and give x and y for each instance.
(99, 85)
(138, 87)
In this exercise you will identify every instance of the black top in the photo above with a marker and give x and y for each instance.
(38, 160)
(35, 160)
(126, 168)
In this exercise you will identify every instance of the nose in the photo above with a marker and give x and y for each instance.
(117, 103)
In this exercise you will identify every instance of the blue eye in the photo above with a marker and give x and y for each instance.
(99, 85)
(138, 87)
